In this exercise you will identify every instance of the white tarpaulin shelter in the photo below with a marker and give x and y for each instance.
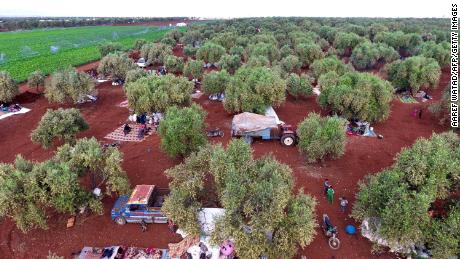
(206, 219)
(248, 122)
(368, 231)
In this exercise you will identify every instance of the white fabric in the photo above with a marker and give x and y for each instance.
(23, 110)
(247, 122)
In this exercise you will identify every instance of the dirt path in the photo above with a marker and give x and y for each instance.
(145, 163)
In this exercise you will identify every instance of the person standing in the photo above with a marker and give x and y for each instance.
(343, 204)
(326, 185)
(330, 194)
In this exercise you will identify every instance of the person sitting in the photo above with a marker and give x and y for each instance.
(141, 132)
(126, 129)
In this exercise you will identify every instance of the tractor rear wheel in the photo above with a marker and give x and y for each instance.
(288, 140)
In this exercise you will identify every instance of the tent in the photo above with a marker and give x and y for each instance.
(206, 219)
(250, 122)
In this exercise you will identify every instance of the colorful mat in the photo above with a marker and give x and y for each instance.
(131, 136)
(407, 99)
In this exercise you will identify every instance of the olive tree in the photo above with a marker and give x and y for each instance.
(61, 124)
(440, 52)
(174, 64)
(155, 53)
(182, 130)
(361, 96)
(110, 47)
(270, 51)
(29, 191)
(254, 88)
(210, 52)
(36, 79)
(134, 74)
(216, 82)
(366, 55)
(414, 73)
(290, 64)
(321, 137)
(158, 93)
(406, 44)
(116, 65)
(68, 85)
(298, 86)
(345, 42)
(397, 200)
(139, 43)
(230, 63)
(8, 87)
(194, 69)
(308, 53)
(322, 66)
(441, 108)
(190, 51)
(262, 215)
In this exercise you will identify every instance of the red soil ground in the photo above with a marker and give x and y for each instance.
(145, 163)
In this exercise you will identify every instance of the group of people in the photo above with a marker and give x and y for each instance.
(142, 120)
(10, 108)
(329, 192)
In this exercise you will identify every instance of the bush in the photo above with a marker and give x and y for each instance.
(155, 53)
(308, 53)
(322, 66)
(216, 82)
(290, 64)
(36, 79)
(322, 137)
(116, 65)
(258, 61)
(174, 34)
(182, 130)
(252, 89)
(440, 52)
(210, 52)
(68, 85)
(270, 51)
(414, 73)
(194, 69)
(8, 88)
(174, 64)
(366, 55)
(230, 63)
(299, 85)
(158, 93)
(328, 79)
(398, 199)
(406, 44)
(190, 51)
(134, 74)
(63, 124)
(168, 42)
(139, 43)
(359, 96)
(110, 47)
(345, 42)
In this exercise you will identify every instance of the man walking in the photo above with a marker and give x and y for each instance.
(343, 204)
(330, 194)
(326, 185)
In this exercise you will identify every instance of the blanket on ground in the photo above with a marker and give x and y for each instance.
(131, 136)
(4, 114)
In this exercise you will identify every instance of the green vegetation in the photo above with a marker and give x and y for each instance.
(23, 52)
(182, 130)
(158, 93)
(29, 191)
(63, 124)
(8, 87)
(262, 214)
(298, 86)
(116, 65)
(399, 199)
(36, 79)
(361, 96)
(252, 89)
(216, 82)
(68, 85)
(322, 137)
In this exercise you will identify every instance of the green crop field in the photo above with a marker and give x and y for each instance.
(22, 52)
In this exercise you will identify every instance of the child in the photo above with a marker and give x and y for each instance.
(330, 194)
(343, 204)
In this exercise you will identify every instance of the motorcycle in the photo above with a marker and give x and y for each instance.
(331, 232)
(215, 132)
